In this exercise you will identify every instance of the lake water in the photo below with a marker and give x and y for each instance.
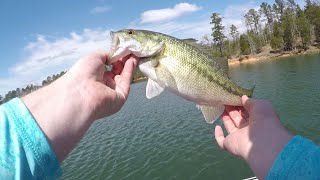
(167, 137)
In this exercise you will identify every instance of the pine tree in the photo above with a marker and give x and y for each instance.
(234, 33)
(253, 18)
(280, 6)
(217, 31)
(303, 28)
(313, 15)
(308, 3)
(276, 39)
(266, 10)
(288, 37)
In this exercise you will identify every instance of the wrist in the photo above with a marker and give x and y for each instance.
(265, 149)
(60, 115)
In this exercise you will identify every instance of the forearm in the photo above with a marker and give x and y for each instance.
(299, 159)
(59, 115)
(25, 151)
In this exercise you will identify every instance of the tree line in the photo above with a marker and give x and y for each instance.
(19, 92)
(29, 88)
(284, 26)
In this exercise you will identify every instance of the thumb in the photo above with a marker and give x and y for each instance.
(247, 103)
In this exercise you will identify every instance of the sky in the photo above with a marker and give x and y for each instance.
(41, 38)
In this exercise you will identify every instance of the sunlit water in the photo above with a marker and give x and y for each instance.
(167, 137)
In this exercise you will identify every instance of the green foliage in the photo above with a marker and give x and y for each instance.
(276, 39)
(303, 28)
(313, 15)
(287, 32)
(253, 19)
(234, 32)
(217, 31)
(283, 25)
(244, 45)
(276, 43)
(287, 26)
(279, 6)
(266, 10)
(257, 41)
(308, 3)
(234, 44)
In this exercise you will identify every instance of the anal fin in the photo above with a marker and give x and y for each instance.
(211, 113)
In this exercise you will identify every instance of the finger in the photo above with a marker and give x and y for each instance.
(123, 80)
(107, 75)
(244, 124)
(218, 134)
(101, 55)
(108, 80)
(244, 113)
(235, 115)
(247, 103)
(135, 60)
(228, 123)
(127, 72)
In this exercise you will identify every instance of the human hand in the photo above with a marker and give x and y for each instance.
(255, 134)
(102, 93)
(66, 108)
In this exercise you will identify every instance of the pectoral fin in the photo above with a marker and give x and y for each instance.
(211, 114)
(153, 89)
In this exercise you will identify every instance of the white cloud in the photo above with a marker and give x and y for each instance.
(45, 57)
(166, 14)
(234, 14)
(100, 9)
(196, 29)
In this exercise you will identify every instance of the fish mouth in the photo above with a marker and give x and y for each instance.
(115, 41)
(119, 48)
(122, 46)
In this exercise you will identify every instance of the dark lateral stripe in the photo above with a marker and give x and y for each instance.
(212, 78)
(209, 75)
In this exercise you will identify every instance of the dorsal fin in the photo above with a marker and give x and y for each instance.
(222, 62)
(190, 40)
(204, 48)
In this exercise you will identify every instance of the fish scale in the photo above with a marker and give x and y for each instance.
(199, 63)
(182, 68)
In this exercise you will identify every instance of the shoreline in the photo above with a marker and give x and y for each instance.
(266, 56)
(256, 58)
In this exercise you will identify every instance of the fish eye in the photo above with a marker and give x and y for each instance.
(130, 31)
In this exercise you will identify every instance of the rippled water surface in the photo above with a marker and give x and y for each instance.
(167, 137)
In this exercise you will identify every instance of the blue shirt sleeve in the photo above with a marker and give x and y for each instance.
(24, 150)
(299, 159)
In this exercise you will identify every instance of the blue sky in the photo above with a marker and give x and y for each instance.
(41, 38)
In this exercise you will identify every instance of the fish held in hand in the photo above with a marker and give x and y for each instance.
(182, 67)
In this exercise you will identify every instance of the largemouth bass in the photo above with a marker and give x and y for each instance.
(181, 67)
